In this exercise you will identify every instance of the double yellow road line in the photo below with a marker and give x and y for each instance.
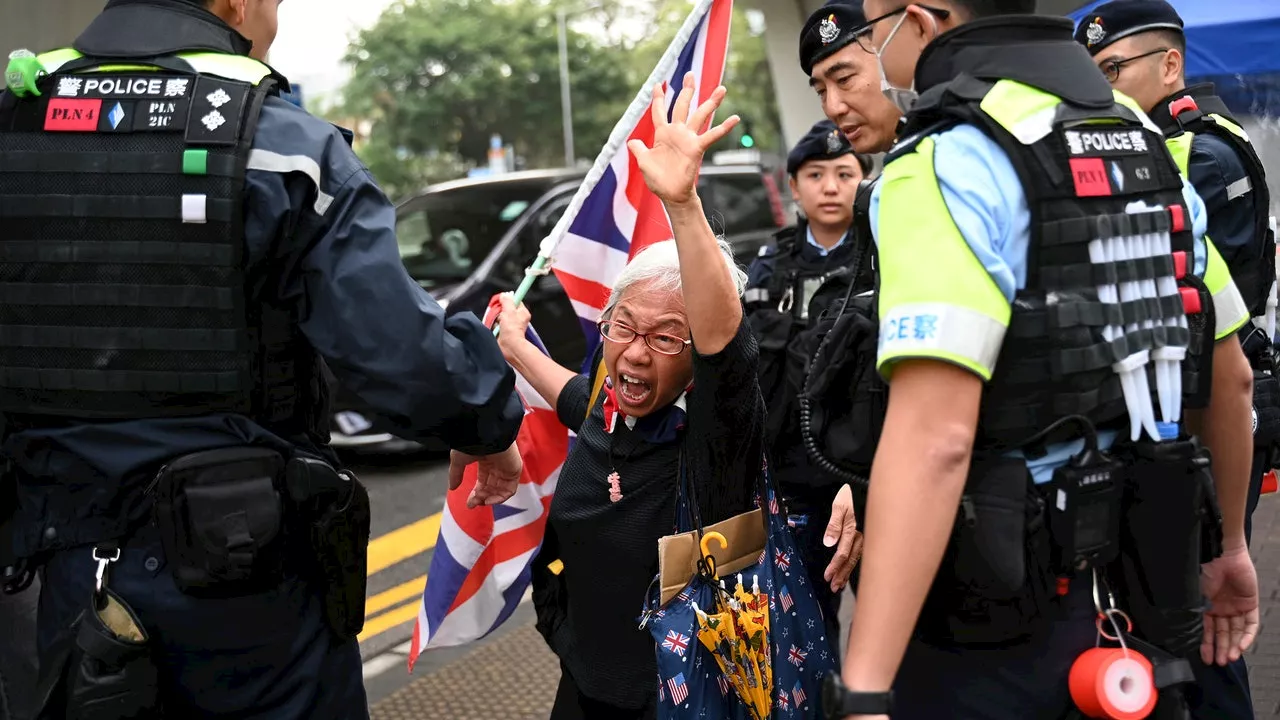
(399, 604)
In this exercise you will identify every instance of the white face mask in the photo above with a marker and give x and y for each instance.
(904, 100)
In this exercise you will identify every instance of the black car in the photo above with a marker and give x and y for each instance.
(467, 240)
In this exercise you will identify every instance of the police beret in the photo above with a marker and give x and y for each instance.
(1122, 18)
(829, 30)
(824, 141)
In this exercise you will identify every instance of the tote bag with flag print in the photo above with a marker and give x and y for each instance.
(691, 683)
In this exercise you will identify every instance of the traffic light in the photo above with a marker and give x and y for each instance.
(747, 139)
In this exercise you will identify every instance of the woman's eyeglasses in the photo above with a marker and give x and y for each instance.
(623, 334)
(1111, 68)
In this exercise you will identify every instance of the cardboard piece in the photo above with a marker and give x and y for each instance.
(678, 555)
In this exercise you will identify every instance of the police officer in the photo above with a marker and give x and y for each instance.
(971, 602)
(184, 252)
(781, 285)
(1140, 47)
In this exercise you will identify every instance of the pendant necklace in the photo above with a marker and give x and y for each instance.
(615, 480)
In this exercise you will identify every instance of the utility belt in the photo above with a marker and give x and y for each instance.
(233, 521)
(1142, 517)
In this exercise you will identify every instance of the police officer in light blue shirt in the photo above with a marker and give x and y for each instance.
(967, 246)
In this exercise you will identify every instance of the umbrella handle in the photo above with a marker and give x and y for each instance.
(706, 551)
(713, 535)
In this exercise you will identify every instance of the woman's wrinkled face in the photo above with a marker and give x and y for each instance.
(645, 380)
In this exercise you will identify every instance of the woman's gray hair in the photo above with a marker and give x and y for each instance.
(659, 266)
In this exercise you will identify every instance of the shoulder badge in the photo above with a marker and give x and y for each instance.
(828, 31)
(1095, 32)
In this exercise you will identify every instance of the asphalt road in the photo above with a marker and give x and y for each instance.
(406, 494)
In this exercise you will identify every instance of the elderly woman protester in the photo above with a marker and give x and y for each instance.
(681, 393)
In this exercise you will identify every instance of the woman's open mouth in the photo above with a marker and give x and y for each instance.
(633, 390)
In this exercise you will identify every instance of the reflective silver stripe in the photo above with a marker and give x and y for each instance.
(755, 295)
(283, 164)
(1034, 128)
(941, 331)
(1229, 310)
(1239, 188)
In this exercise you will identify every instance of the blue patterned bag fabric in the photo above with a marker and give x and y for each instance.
(691, 683)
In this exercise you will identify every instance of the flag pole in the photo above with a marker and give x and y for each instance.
(617, 139)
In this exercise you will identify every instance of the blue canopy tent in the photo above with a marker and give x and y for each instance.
(1233, 43)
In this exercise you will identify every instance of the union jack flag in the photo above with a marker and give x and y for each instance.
(662, 689)
(620, 217)
(773, 503)
(797, 692)
(783, 702)
(784, 597)
(782, 559)
(679, 691)
(483, 561)
(796, 656)
(676, 642)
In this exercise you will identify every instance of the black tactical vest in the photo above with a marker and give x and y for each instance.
(1079, 176)
(1197, 110)
(123, 290)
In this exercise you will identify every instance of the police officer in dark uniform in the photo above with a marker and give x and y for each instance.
(184, 254)
(781, 299)
(1140, 46)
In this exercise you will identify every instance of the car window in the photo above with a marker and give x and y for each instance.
(444, 235)
(522, 253)
(736, 203)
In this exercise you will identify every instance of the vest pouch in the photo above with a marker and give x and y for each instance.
(222, 520)
(1161, 543)
(995, 581)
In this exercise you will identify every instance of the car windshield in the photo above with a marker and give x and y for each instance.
(444, 234)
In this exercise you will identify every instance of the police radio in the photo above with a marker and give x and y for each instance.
(1084, 504)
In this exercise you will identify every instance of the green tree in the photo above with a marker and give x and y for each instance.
(437, 78)
(747, 78)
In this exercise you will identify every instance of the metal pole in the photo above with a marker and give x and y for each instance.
(566, 105)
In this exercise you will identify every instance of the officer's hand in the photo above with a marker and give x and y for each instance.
(514, 321)
(671, 166)
(498, 477)
(842, 533)
(1231, 622)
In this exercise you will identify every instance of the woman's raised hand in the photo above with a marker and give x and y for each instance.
(671, 166)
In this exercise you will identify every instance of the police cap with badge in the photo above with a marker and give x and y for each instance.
(1123, 18)
(829, 30)
(824, 141)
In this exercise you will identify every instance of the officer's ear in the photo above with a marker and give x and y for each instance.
(1172, 67)
(795, 188)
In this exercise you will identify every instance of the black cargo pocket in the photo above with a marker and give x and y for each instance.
(991, 532)
(222, 520)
